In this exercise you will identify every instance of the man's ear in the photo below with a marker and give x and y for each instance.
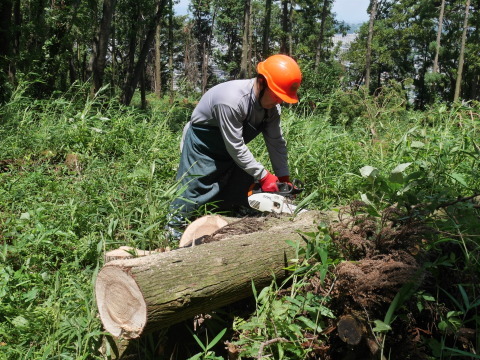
(262, 82)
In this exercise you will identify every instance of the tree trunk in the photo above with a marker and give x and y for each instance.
(368, 60)
(132, 47)
(319, 54)
(132, 78)
(170, 49)
(140, 295)
(17, 20)
(290, 22)
(189, 60)
(462, 53)
(251, 46)
(100, 46)
(206, 54)
(439, 35)
(474, 87)
(285, 28)
(113, 79)
(266, 29)
(245, 40)
(143, 95)
(158, 77)
(72, 70)
(6, 8)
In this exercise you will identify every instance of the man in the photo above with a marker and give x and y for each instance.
(216, 164)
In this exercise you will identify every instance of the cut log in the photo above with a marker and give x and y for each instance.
(206, 225)
(136, 296)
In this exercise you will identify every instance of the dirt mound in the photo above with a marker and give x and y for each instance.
(381, 254)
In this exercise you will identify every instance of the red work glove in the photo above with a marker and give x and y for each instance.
(285, 179)
(269, 183)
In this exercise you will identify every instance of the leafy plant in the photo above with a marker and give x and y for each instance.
(290, 325)
(207, 353)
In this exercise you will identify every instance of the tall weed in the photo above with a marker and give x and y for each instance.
(78, 177)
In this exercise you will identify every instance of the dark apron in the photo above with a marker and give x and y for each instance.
(208, 173)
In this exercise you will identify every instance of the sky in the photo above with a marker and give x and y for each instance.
(350, 11)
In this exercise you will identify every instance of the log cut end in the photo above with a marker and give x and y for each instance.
(350, 330)
(120, 302)
(206, 225)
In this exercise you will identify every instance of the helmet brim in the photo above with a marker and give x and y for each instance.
(288, 98)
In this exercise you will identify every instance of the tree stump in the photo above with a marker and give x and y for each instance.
(350, 330)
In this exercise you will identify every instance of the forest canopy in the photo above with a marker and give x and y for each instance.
(430, 47)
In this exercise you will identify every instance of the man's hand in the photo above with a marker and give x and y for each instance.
(285, 179)
(269, 183)
(294, 187)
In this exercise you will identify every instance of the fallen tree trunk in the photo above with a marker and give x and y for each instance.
(140, 295)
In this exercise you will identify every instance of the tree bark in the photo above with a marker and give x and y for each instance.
(6, 8)
(158, 77)
(17, 20)
(189, 60)
(439, 36)
(140, 295)
(170, 50)
(462, 53)
(368, 60)
(100, 46)
(285, 28)
(113, 79)
(266, 29)
(143, 95)
(245, 40)
(207, 46)
(319, 53)
(133, 78)
(290, 35)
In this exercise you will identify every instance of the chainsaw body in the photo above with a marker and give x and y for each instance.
(279, 202)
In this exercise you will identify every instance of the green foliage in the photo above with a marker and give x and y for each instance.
(357, 107)
(317, 84)
(288, 326)
(80, 177)
(76, 179)
(207, 353)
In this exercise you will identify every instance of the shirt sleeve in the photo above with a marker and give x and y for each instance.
(231, 127)
(276, 146)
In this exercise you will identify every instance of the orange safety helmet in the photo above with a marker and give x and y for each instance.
(283, 76)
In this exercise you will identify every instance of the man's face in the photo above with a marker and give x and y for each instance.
(269, 99)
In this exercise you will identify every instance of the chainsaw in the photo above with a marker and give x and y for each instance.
(279, 202)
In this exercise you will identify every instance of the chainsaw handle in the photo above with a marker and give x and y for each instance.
(284, 189)
(288, 189)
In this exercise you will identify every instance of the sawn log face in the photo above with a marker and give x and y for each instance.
(139, 295)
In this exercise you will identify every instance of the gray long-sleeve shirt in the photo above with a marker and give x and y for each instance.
(226, 106)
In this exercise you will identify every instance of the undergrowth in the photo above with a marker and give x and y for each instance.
(80, 177)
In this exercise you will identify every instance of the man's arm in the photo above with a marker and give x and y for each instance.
(231, 127)
(276, 146)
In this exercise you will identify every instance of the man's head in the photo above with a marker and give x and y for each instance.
(283, 77)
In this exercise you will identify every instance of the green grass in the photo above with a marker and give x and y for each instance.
(57, 218)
